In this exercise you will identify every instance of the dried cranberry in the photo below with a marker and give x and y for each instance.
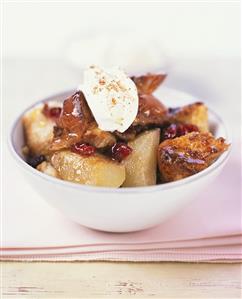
(34, 161)
(53, 112)
(83, 149)
(170, 132)
(177, 130)
(120, 151)
(186, 128)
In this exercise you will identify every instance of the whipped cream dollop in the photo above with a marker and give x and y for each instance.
(112, 97)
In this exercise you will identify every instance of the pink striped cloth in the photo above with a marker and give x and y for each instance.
(208, 230)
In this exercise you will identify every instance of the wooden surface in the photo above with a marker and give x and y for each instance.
(120, 280)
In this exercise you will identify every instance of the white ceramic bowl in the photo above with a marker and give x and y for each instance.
(124, 209)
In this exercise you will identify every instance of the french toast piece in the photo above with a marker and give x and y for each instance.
(95, 170)
(47, 168)
(98, 138)
(38, 131)
(148, 83)
(73, 122)
(151, 111)
(186, 155)
(195, 114)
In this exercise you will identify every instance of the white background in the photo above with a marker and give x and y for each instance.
(190, 29)
(201, 41)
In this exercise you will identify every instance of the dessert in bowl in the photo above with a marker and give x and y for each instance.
(113, 157)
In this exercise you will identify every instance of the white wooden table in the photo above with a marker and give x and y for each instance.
(120, 280)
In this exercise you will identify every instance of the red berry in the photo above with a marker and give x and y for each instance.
(53, 112)
(120, 151)
(170, 132)
(83, 149)
(177, 130)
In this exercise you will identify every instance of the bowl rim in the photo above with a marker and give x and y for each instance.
(124, 190)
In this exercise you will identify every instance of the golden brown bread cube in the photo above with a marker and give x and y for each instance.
(195, 114)
(95, 170)
(186, 155)
(47, 168)
(141, 164)
(38, 131)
